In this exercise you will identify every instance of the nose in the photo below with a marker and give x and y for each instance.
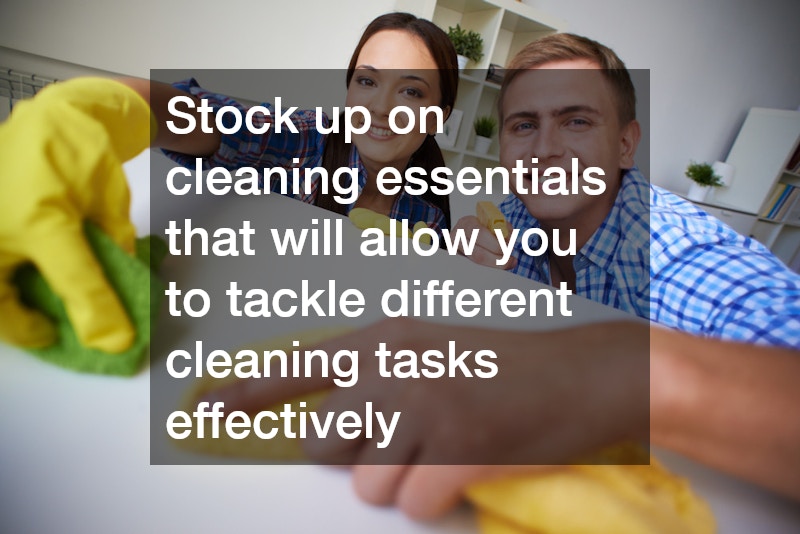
(381, 103)
(547, 144)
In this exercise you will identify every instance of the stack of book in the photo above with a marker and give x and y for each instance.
(783, 205)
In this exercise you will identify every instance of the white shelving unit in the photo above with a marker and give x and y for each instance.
(506, 26)
(767, 142)
(781, 236)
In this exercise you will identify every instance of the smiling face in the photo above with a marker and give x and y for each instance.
(394, 68)
(559, 111)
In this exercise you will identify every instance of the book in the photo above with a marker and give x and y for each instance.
(773, 198)
(788, 203)
(792, 214)
(778, 203)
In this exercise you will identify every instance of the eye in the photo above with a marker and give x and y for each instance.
(366, 81)
(412, 92)
(523, 126)
(578, 123)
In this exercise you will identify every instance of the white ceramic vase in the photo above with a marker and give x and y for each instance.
(462, 62)
(482, 144)
(697, 192)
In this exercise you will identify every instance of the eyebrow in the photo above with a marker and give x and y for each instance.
(559, 112)
(578, 108)
(404, 77)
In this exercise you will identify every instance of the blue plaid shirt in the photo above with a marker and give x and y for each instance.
(268, 150)
(659, 257)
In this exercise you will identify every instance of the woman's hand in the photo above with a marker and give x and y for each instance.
(61, 156)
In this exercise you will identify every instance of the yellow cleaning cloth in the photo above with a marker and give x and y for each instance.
(580, 499)
(585, 499)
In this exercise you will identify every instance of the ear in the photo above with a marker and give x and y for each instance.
(446, 112)
(432, 120)
(628, 142)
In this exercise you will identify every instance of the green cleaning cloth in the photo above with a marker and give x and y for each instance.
(137, 287)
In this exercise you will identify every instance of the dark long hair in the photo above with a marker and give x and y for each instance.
(428, 155)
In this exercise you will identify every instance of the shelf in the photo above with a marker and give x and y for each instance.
(790, 224)
(504, 25)
(474, 76)
(468, 76)
(487, 157)
(714, 204)
(759, 155)
(767, 144)
(464, 6)
(791, 178)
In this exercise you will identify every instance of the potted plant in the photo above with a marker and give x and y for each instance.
(703, 177)
(484, 130)
(468, 45)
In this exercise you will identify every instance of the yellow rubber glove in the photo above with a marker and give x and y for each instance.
(61, 156)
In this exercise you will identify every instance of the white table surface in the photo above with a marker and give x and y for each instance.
(75, 449)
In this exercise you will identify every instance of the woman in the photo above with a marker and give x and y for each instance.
(401, 60)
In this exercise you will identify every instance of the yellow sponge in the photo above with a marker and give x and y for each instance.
(490, 216)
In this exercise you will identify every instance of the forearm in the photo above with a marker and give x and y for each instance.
(729, 405)
(158, 95)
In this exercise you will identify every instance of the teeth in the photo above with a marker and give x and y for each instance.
(374, 130)
(382, 132)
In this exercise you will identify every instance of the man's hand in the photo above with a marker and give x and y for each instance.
(556, 396)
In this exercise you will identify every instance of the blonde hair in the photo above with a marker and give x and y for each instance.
(567, 46)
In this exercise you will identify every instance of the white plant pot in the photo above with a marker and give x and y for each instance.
(462, 62)
(482, 144)
(697, 192)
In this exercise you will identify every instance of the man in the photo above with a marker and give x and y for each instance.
(699, 276)
(711, 396)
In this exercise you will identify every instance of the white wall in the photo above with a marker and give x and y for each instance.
(710, 61)
(132, 37)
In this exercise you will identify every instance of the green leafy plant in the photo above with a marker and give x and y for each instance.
(467, 43)
(485, 126)
(703, 174)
